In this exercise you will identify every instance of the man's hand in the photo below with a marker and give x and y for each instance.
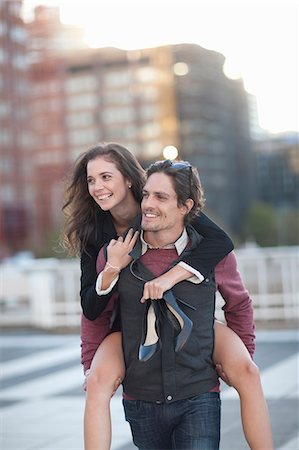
(118, 250)
(155, 289)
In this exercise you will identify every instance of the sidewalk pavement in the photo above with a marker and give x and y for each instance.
(42, 401)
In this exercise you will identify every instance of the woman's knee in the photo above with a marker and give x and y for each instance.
(103, 382)
(245, 375)
(249, 370)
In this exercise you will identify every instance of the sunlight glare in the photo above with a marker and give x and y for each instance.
(258, 39)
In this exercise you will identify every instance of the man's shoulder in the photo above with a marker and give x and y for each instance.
(227, 264)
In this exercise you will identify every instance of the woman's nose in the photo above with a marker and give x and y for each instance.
(98, 185)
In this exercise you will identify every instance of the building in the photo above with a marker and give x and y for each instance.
(141, 99)
(17, 190)
(256, 131)
(48, 36)
(277, 166)
(146, 99)
(212, 112)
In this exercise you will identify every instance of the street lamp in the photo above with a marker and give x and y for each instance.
(170, 152)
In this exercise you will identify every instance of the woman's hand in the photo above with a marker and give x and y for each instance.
(118, 250)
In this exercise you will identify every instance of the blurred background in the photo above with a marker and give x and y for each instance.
(220, 84)
(215, 83)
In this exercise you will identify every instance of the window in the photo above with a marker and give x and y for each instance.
(118, 115)
(18, 34)
(83, 136)
(118, 78)
(146, 75)
(81, 83)
(117, 96)
(83, 101)
(80, 119)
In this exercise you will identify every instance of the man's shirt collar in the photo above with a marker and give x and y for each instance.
(180, 244)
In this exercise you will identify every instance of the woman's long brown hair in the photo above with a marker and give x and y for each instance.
(80, 208)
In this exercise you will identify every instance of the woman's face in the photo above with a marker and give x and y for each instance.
(106, 184)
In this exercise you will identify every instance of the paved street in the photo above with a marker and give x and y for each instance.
(42, 400)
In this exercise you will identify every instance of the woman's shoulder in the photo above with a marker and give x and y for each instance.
(103, 228)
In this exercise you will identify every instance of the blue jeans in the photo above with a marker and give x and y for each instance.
(189, 424)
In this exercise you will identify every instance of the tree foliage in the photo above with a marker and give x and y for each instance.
(268, 226)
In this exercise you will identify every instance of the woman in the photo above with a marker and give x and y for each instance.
(103, 198)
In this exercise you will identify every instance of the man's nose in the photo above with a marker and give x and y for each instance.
(147, 202)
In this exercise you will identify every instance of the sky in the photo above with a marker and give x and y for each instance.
(259, 39)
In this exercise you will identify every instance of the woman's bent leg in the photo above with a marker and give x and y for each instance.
(106, 373)
(231, 353)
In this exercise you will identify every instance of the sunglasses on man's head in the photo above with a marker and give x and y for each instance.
(181, 165)
(177, 166)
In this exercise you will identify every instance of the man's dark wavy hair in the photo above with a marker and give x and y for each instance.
(186, 183)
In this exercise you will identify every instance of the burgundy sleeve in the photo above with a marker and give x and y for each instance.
(215, 245)
(238, 307)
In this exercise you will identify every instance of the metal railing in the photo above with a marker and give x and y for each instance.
(45, 293)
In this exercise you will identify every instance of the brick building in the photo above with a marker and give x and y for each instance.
(145, 99)
(17, 190)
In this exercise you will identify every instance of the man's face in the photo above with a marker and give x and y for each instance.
(160, 210)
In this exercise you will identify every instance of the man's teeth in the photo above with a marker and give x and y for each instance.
(150, 215)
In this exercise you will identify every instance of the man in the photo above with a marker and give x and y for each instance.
(171, 396)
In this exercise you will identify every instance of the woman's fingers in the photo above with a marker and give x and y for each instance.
(118, 250)
(133, 239)
(130, 239)
(130, 235)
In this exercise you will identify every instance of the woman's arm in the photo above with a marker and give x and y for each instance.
(92, 304)
(212, 249)
(203, 258)
(95, 297)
